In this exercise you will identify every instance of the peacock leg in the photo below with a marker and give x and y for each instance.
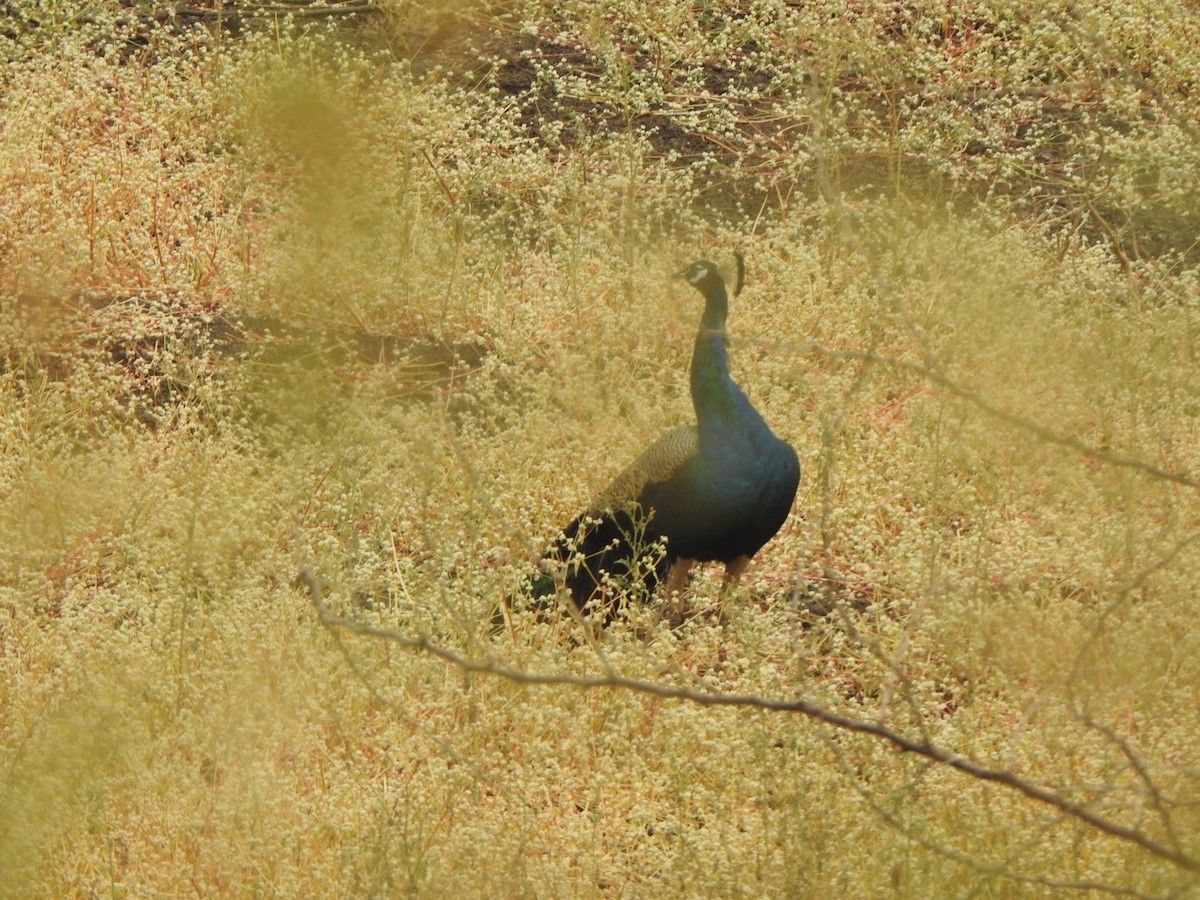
(676, 611)
(678, 576)
(733, 572)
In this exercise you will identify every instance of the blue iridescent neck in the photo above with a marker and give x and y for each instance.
(716, 306)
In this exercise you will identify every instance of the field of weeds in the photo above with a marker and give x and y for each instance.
(317, 322)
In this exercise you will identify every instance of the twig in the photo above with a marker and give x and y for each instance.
(300, 10)
(1156, 797)
(965, 859)
(1018, 421)
(421, 643)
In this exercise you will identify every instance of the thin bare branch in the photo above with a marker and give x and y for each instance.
(965, 859)
(262, 10)
(421, 643)
(996, 412)
(1156, 798)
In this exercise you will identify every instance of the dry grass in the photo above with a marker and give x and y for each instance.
(390, 300)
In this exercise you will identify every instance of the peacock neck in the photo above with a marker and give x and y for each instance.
(721, 406)
(710, 372)
(716, 308)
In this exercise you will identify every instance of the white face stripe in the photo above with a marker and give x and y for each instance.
(698, 274)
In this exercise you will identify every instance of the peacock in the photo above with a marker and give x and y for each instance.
(715, 491)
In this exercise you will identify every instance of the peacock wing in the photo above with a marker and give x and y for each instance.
(657, 463)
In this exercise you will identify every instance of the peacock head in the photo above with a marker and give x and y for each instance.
(703, 275)
(706, 277)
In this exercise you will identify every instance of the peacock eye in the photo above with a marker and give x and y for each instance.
(698, 274)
